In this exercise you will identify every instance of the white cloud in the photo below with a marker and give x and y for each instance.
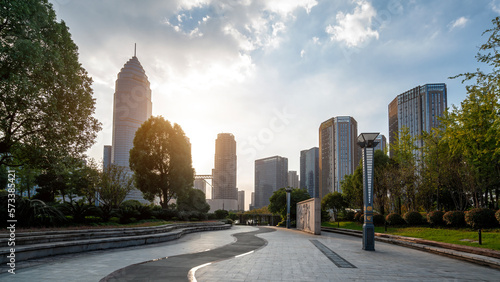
(354, 28)
(495, 6)
(458, 23)
(285, 7)
(302, 53)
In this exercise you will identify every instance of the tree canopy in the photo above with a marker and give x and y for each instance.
(46, 96)
(161, 160)
(278, 202)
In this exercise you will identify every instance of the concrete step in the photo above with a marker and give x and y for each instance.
(111, 240)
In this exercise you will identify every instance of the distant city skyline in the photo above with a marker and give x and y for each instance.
(271, 71)
(271, 174)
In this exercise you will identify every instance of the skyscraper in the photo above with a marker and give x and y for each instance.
(224, 172)
(241, 200)
(271, 174)
(382, 142)
(417, 109)
(293, 179)
(131, 107)
(106, 160)
(338, 152)
(309, 171)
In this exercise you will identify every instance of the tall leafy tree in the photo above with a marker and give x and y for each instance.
(474, 129)
(46, 102)
(193, 200)
(161, 160)
(114, 185)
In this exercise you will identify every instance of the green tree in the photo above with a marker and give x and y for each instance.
(352, 188)
(474, 129)
(161, 160)
(334, 201)
(193, 200)
(380, 187)
(278, 202)
(405, 153)
(46, 94)
(114, 185)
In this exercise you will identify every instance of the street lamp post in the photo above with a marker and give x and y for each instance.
(288, 191)
(367, 143)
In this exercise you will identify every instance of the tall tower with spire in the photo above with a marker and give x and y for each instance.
(132, 106)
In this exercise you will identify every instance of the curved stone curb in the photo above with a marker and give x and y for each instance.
(176, 268)
(111, 240)
(479, 256)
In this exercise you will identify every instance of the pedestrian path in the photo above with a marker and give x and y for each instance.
(182, 267)
(290, 255)
(93, 266)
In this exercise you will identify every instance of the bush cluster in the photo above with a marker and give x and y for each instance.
(358, 217)
(497, 215)
(481, 218)
(413, 218)
(435, 218)
(394, 219)
(454, 218)
(349, 215)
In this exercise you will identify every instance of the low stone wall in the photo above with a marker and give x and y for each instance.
(309, 216)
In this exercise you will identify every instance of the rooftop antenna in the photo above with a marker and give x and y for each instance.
(135, 48)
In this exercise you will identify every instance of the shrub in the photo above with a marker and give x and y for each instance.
(131, 203)
(357, 216)
(127, 213)
(378, 219)
(394, 219)
(211, 216)
(413, 218)
(497, 215)
(480, 218)
(454, 218)
(78, 210)
(221, 214)
(435, 218)
(349, 215)
(114, 219)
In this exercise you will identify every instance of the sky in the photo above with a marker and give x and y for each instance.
(270, 72)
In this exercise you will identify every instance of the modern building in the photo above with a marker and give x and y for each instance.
(293, 179)
(241, 200)
(271, 174)
(309, 171)
(132, 106)
(252, 201)
(224, 172)
(224, 191)
(382, 143)
(201, 185)
(339, 153)
(418, 109)
(106, 159)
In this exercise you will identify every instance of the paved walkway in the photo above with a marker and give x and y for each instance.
(288, 256)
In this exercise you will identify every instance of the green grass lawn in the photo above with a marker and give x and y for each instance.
(490, 237)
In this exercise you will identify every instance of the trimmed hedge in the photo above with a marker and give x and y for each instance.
(480, 218)
(454, 218)
(394, 219)
(435, 218)
(413, 218)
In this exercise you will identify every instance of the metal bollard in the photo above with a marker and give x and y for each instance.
(480, 239)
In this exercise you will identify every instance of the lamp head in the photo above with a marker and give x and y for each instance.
(367, 140)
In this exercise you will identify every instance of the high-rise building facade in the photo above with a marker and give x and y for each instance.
(271, 174)
(241, 200)
(293, 179)
(382, 143)
(106, 160)
(201, 185)
(418, 109)
(309, 171)
(224, 172)
(132, 106)
(339, 153)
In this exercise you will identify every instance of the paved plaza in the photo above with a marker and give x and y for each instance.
(287, 255)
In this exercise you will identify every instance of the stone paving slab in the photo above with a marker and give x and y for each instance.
(290, 256)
